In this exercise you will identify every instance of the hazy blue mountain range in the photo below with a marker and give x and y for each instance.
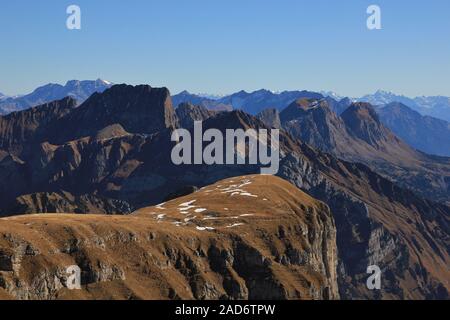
(200, 100)
(250, 102)
(424, 133)
(257, 101)
(435, 106)
(79, 90)
(418, 121)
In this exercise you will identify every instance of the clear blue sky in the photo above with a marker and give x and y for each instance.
(220, 46)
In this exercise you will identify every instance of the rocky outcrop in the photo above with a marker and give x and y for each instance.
(32, 125)
(139, 109)
(270, 117)
(363, 122)
(382, 225)
(209, 245)
(188, 114)
(313, 122)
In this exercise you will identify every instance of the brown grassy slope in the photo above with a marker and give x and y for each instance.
(246, 237)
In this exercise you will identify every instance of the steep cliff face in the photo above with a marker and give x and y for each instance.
(270, 117)
(313, 122)
(213, 244)
(32, 125)
(138, 109)
(379, 224)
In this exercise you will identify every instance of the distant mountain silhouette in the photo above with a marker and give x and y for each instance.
(255, 102)
(435, 106)
(79, 90)
(425, 133)
(211, 104)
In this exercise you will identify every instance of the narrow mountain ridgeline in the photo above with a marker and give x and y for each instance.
(359, 136)
(105, 158)
(213, 244)
(31, 126)
(424, 133)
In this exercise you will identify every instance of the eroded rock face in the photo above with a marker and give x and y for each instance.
(270, 117)
(188, 113)
(208, 245)
(367, 234)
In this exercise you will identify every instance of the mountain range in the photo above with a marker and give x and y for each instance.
(425, 133)
(421, 129)
(255, 102)
(80, 90)
(434, 106)
(387, 202)
(358, 135)
(250, 102)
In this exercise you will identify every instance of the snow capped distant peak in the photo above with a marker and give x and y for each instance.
(106, 82)
(210, 96)
(80, 90)
(332, 95)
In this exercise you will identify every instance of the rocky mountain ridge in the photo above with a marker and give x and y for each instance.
(212, 244)
(377, 222)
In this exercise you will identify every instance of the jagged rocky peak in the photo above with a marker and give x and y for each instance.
(138, 109)
(29, 125)
(313, 122)
(188, 113)
(304, 105)
(271, 118)
(364, 122)
(236, 119)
